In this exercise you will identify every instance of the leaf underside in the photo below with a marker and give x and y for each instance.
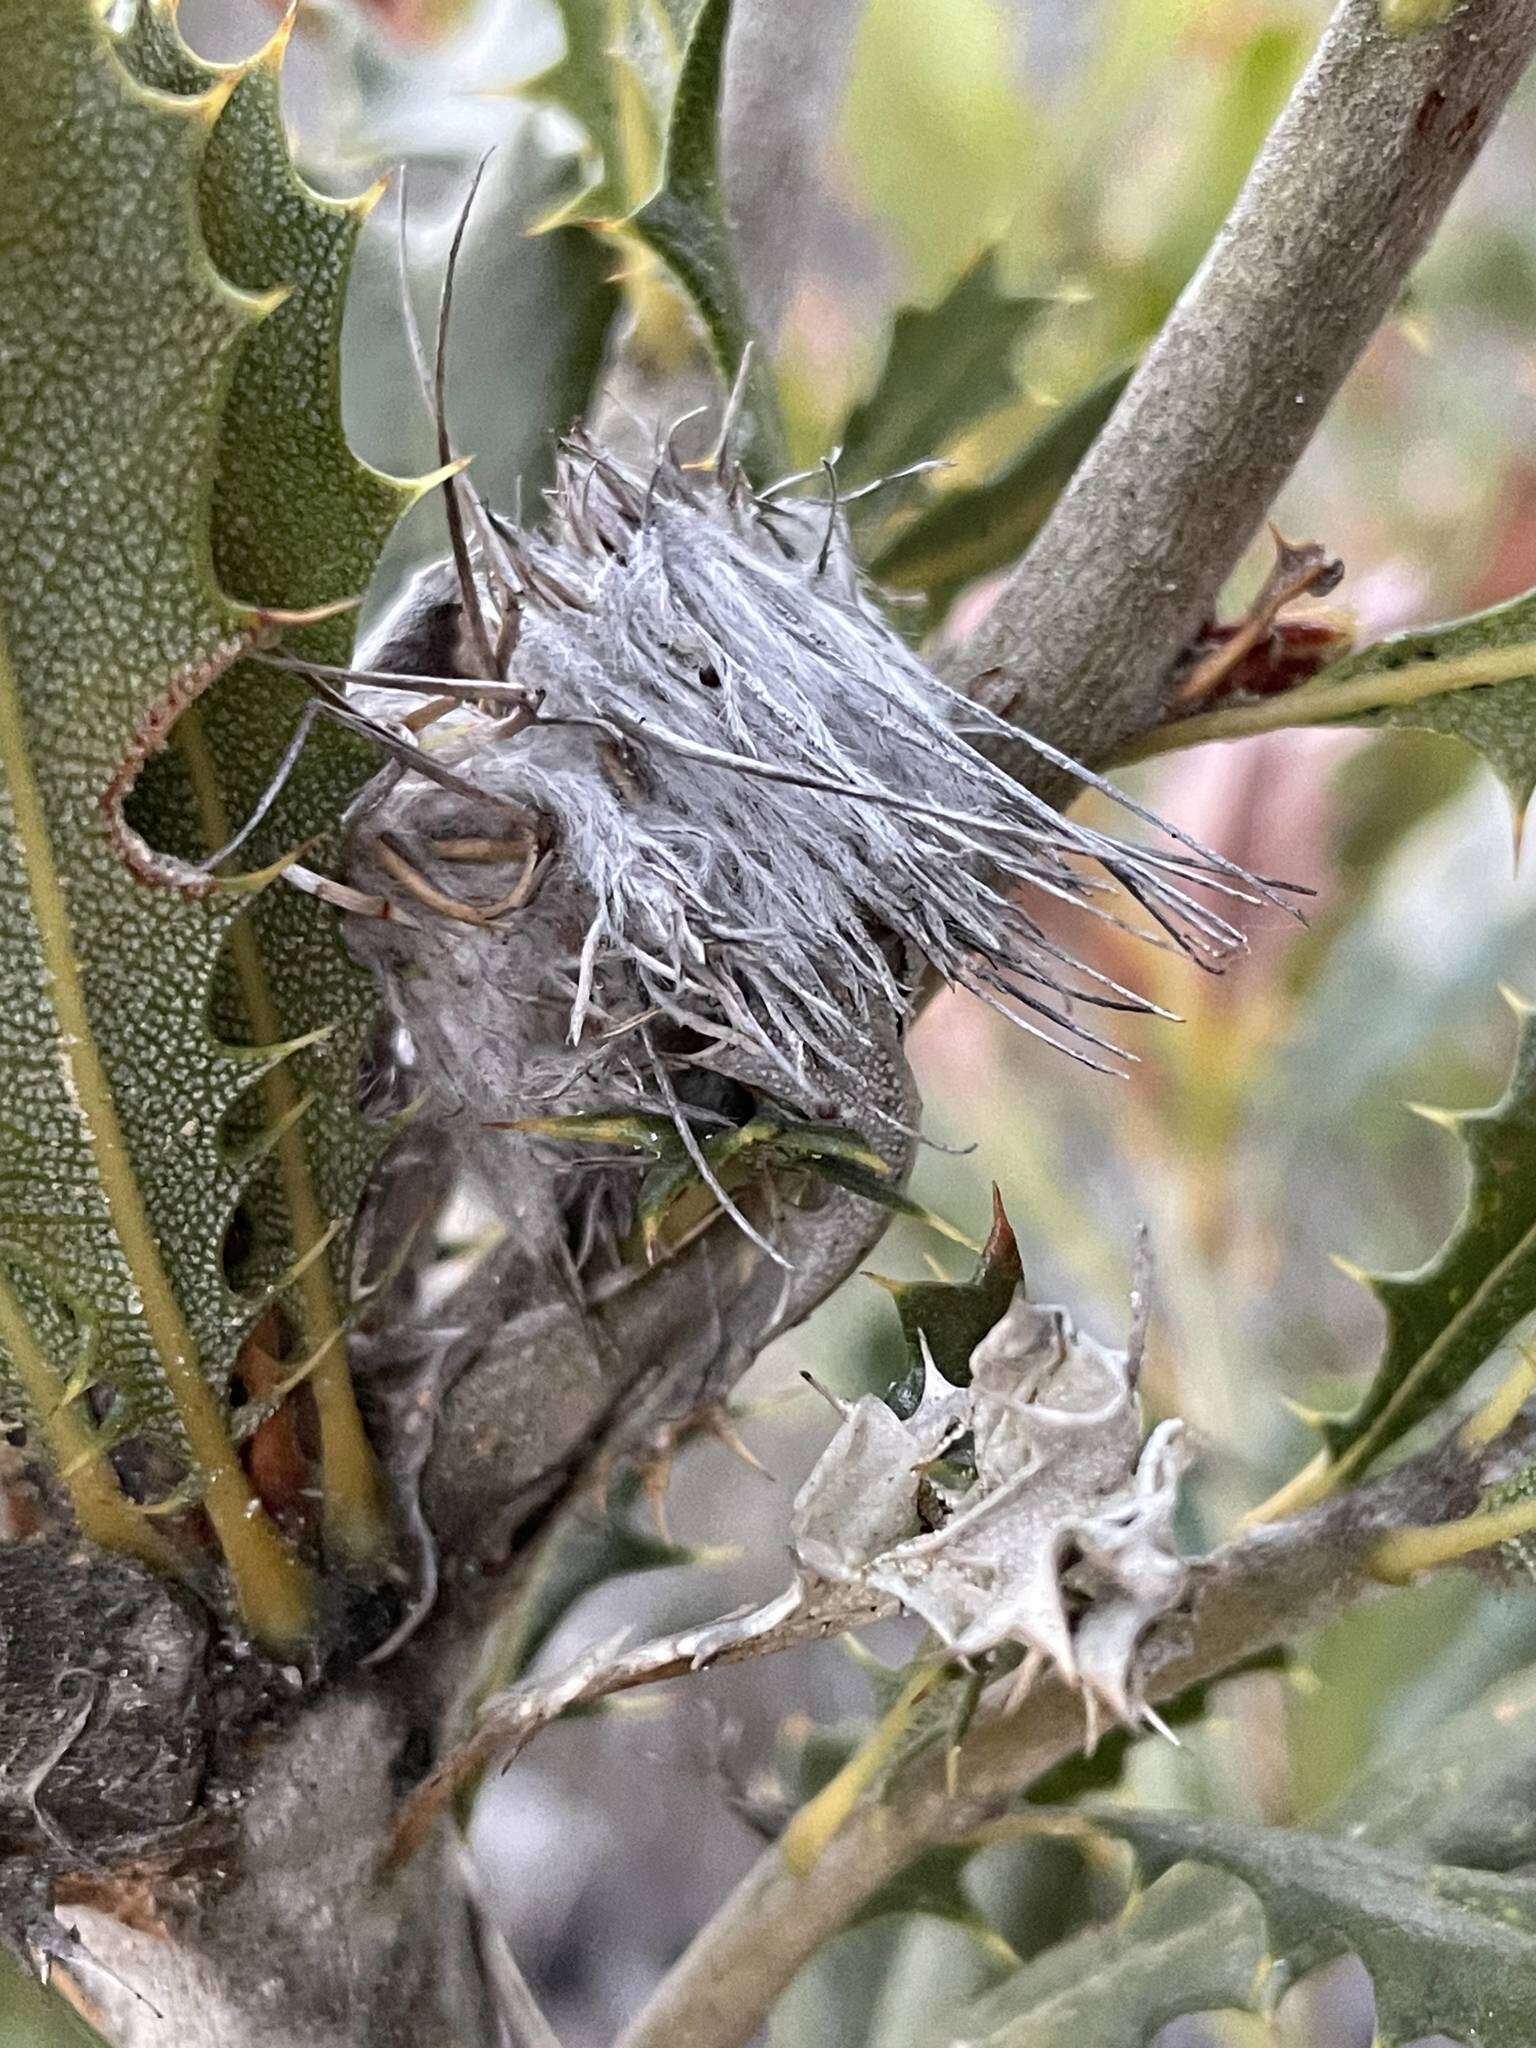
(1449, 1950)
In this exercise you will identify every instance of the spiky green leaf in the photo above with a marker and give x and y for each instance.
(139, 438)
(948, 366)
(963, 534)
(1497, 716)
(299, 519)
(1193, 1942)
(1463, 1797)
(1449, 1950)
(952, 1316)
(878, 1188)
(1472, 679)
(597, 84)
(1444, 1319)
(684, 222)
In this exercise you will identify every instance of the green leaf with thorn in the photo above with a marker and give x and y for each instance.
(1397, 1868)
(616, 79)
(1450, 1950)
(952, 1316)
(657, 1135)
(1472, 679)
(948, 366)
(962, 534)
(596, 83)
(678, 1196)
(299, 518)
(684, 222)
(146, 447)
(1448, 1316)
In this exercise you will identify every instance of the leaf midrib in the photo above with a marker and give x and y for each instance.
(276, 1596)
(1369, 1441)
(1340, 703)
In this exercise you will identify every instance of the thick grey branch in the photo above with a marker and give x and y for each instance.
(1267, 1588)
(1344, 196)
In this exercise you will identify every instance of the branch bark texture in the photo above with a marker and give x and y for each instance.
(1267, 1588)
(1343, 198)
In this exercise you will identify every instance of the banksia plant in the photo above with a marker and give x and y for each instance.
(436, 1061)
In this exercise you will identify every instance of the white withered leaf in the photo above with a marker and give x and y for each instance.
(1061, 1543)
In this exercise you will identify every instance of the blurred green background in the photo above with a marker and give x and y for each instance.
(1096, 146)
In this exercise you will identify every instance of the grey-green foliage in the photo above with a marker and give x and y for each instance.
(962, 534)
(948, 366)
(1193, 1942)
(1498, 718)
(1447, 1317)
(684, 222)
(298, 521)
(93, 644)
(1449, 1950)
(1416, 1868)
(532, 314)
(174, 457)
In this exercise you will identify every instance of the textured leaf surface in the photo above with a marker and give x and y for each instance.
(616, 79)
(1473, 679)
(948, 366)
(597, 84)
(123, 342)
(1194, 1942)
(1498, 718)
(964, 534)
(299, 519)
(622, 80)
(1447, 1317)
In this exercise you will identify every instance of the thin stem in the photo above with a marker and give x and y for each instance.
(1503, 1405)
(1336, 703)
(1405, 1553)
(474, 618)
(813, 1827)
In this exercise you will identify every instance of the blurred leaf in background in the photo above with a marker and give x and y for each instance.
(1016, 192)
